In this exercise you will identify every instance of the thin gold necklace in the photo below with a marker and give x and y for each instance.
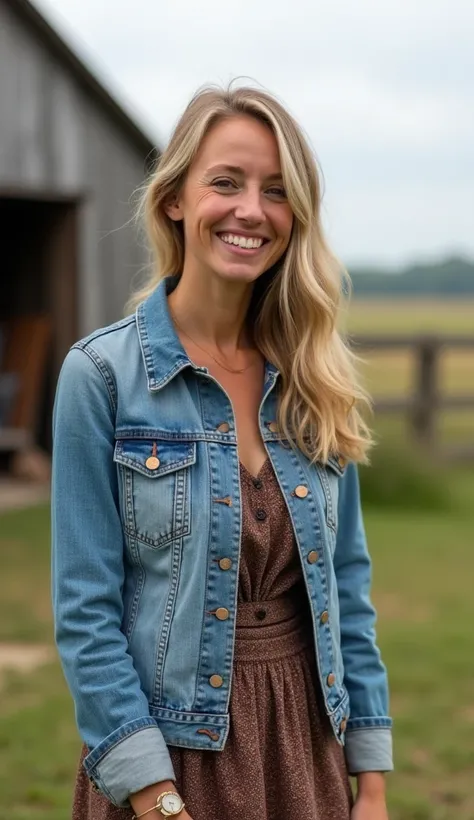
(224, 366)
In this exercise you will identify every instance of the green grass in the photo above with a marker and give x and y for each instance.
(423, 568)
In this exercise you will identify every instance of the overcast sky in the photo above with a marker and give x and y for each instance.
(383, 88)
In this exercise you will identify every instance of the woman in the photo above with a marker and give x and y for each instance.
(211, 574)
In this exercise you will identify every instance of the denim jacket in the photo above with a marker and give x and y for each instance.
(144, 446)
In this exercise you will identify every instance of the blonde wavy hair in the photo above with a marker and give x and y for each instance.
(296, 305)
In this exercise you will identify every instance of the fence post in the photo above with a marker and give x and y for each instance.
(423, 417)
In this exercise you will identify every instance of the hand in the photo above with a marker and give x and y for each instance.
(369, 808)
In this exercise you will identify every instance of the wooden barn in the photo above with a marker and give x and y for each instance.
(70, 160)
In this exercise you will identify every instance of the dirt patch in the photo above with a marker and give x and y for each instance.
(19, 657)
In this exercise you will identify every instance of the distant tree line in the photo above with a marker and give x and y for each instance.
(452, 277)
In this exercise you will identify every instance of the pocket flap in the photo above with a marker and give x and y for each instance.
(166, 458)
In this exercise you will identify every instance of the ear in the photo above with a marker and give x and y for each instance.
(173, 209)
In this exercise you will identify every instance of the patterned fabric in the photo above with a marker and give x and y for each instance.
(281, 758)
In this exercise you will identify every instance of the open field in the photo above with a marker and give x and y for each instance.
(424, 566)
(415, 315)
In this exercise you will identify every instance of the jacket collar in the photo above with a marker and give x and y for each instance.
(163, 354)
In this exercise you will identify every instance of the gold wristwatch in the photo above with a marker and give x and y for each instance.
(169, 804)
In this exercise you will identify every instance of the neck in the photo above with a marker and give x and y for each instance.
(212, 311)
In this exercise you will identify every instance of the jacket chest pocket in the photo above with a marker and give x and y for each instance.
(329, 476)
(156, 488)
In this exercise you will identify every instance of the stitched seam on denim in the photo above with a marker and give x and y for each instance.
(103, 370)
(168, 616)
(160, 542)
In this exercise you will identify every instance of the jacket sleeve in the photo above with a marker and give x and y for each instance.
(368, 736)
(127, 751)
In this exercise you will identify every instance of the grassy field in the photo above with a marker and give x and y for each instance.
(423, 571)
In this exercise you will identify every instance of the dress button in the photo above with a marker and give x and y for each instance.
(261, 614)
(331, 679)
(260, 515)
(313, 557)
(222, 613)
(225, 563)
(273, 427)
(301, 491)
(223, 428)
(324, 617)
(216, 681)
(257, 484)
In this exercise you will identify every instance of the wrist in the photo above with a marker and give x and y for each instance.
(146, 798)
(371, 785)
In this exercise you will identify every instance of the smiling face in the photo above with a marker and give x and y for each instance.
(237, 220)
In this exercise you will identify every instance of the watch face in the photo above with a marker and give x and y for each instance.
(172, 803)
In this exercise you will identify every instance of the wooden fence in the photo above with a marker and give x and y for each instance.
(426, 400)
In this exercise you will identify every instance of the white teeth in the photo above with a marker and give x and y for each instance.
(242, 241)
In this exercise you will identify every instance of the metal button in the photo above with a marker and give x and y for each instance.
(224, 427)
(152, 463)
(343, 725)
(260, 515)
(301, 491)
(225, 563)
(216, 681)
(331, 679)
(222, 613)
(273, 427)
(313, 557)
(324, 617)
(342, 462)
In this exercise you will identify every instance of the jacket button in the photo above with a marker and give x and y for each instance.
(225, 563)
(343, 725)
(216, 681)
(301, 491)
(342, 462)
(152, 463)
(331, 679)
(324, 617)
(224, 427)
(222, 613)
(313, 557)
(273, 427)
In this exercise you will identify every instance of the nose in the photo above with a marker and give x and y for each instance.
(249, 207)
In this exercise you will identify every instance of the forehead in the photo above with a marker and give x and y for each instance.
(243, 141)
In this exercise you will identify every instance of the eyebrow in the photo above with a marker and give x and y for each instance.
(235, 169)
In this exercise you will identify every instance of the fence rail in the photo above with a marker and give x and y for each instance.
(427, 400)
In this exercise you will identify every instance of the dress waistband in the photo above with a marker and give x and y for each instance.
(272, 630)
(267, 613)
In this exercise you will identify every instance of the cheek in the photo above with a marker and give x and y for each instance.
(283, 223)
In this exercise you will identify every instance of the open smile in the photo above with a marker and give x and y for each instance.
(244, 245)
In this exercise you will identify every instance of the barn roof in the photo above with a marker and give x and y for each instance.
(86, 79)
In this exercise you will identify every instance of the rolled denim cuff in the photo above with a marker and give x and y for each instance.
(369, 750)
(132, 758)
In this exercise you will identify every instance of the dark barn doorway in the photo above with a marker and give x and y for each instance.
(38, 314)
